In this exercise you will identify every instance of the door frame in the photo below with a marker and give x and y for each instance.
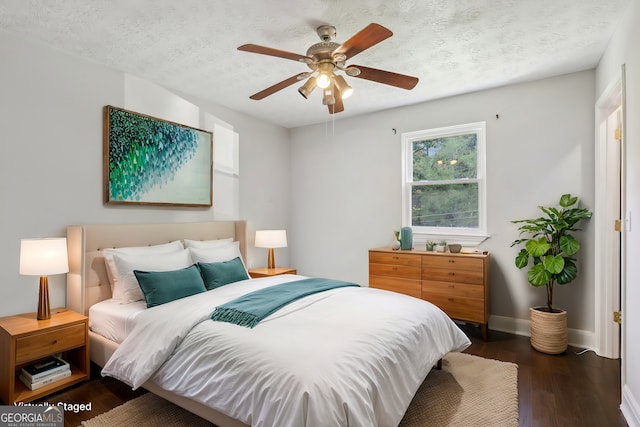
(609, 289)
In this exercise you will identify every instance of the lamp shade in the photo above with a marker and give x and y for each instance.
(271, 239)
(43, 257)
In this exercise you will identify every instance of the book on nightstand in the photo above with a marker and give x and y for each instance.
(34, 385)
(38, 371)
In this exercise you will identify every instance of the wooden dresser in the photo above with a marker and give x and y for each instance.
(457, 283)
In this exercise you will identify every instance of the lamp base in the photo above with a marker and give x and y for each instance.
(44, 312)
(271, 262)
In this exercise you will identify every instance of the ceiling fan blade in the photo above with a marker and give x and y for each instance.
(254, 48)
(386, 77)
(278, 86)
(369, 36)
(337, 106)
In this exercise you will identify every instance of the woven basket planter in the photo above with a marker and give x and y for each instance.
(548, 331)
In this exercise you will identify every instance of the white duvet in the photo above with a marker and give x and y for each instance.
(344, 357)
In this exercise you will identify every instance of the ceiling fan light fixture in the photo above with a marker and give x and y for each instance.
(343, 87)
(323, 80)
(327, 96)
(325, 72)
(308, 87)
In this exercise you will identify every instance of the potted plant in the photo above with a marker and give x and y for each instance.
(550, 246)
(430, 245)
(441, 246)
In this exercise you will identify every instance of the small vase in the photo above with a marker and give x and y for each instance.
(406, 238)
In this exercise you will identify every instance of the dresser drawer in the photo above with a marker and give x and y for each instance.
(49, 342)
(453, 289)
(470, 309)
(395, 258)
(453, 269)
(391, 270)
(456, 262)
(403, 286)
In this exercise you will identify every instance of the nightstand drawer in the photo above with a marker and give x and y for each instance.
(49, 342)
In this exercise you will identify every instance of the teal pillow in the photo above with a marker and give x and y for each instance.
(216, 274)
(160, 287)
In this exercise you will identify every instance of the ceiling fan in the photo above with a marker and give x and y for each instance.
(326, 58)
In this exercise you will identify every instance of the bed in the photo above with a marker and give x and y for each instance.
(333, 357)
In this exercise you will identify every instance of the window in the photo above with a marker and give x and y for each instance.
(444, 184)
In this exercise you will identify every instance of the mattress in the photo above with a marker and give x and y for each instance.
(114, 320)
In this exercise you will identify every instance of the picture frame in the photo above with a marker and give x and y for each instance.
(151, 161)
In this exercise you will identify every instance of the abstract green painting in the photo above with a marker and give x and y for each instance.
(153, 161)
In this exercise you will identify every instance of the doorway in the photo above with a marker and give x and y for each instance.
(609, 218)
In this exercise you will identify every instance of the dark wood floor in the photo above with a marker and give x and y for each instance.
(565, 390)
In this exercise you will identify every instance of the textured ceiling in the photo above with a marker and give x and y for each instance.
(452, 46)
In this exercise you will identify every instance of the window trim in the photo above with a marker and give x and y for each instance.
(465, 236)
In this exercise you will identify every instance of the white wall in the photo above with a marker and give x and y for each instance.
(346, 183)
(623, 49)
(51, 161)
(264, 178)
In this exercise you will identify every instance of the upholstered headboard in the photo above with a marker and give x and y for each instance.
(87, 281)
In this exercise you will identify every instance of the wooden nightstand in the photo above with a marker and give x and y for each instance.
(266, 272)
(24, 340)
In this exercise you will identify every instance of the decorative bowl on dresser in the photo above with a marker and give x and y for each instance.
(458, 283)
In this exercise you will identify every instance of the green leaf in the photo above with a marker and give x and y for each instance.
(538, 275)
(538, 247)
(522, 259)
(569, 245)
(568, 273)
(553, 264)
(566, 200)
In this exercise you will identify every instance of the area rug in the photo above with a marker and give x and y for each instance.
(468, 391)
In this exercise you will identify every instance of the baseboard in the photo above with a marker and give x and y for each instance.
(630, 408)
(577, 337)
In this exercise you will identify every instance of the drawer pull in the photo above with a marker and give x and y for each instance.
(452, 260)
(452, 286)
(395, 257)
(452, 274)
(55, 342)
(450, 299)
(394, 268)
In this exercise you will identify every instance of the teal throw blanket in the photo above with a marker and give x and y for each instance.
(251, 308)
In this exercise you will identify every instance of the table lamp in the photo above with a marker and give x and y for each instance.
(271, 239)
(43, 257)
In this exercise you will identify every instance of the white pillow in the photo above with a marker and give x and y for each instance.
(203, 244)
(126, 288)
(108, 253)
(217, 254)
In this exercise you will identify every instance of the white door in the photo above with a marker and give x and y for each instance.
(607, 213)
